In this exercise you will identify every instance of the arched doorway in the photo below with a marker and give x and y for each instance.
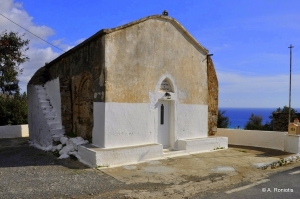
(165, 113)
(83, 107)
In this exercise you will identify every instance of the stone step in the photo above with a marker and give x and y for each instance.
(47, 108)
(50, 114)
(41, 91)
(173, 153)
(57, 131)
(53, 125)
(43, 97)
(50, 118)
(44, 103)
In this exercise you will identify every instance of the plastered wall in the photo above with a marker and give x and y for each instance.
(53, 92)
(137, 56)
(39, 131)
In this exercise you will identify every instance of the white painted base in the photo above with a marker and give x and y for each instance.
(94, 156)
(203, 144)
(292, 143)
(14, 131)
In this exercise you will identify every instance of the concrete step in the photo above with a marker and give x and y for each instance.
(53, 125)
(47, 108)
(50, 118)
(50, 114)
(41, 92)
(44, 103)
(173, 153)
(43, 97)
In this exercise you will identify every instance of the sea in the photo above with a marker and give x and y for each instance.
(238, 117)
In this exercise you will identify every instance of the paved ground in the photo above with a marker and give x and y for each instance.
(27, 172)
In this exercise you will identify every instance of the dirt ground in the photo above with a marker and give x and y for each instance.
(27, 172)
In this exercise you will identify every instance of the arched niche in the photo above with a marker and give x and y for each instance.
(83, 106)
(166, 86)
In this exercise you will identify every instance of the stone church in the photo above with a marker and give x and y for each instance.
(136, 92)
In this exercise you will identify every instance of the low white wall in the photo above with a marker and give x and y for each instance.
(14, 131)
(265, 139)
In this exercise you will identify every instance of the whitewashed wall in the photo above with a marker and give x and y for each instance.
(53, 91)
(39, 131)
(191, 121)
(265, 139)
(14, 131)
(125, 124)
(128, 124)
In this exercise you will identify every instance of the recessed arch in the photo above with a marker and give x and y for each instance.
(166, 86)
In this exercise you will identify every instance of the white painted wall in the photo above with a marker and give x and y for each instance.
(39, 131)
(99, 124)
(116, 157)
(292, 143)
(128, 124)
(14, 131)
(191, 121)
(53, 91)
(265, 139)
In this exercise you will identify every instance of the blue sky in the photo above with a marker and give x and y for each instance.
(249, 39)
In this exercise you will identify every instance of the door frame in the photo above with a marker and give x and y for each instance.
(171, 122)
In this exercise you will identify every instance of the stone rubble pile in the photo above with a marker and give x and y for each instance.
(66, 147)
(281, 162)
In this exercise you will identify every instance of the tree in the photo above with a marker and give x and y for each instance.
(255, 123)
(13, 106)
(13, 109)
(279, 118)
(12, 54)
(223, 121)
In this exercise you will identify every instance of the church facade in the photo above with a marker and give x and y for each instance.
(134, 91)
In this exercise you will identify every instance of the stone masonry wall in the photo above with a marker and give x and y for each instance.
(212, 83)
(79, 69)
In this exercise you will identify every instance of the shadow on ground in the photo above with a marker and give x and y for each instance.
(261, 152)
(16, 152)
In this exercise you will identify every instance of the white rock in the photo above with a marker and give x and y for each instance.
(77, 141)
(63, 140)
(58, 147)
(63, 156)
(74, 153)
(66, 149)
(54, 148)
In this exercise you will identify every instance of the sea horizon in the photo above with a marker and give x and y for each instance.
(238, 116)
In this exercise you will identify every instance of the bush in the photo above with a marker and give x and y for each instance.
(255, 123)
(223, 121)
(13, 109)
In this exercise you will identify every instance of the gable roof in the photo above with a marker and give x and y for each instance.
(107, 31)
